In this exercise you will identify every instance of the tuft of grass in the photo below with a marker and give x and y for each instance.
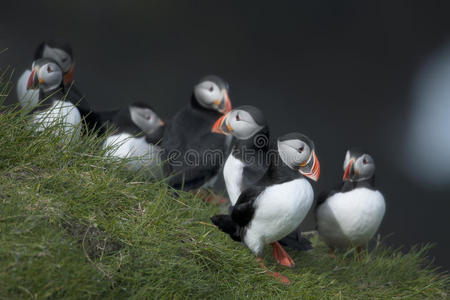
(74, 225)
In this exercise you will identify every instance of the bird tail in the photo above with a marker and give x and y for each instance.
(295, 240)
(227, 225)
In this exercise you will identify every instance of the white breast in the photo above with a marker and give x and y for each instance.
(136, 149)
(279, 210)
(232, 173)
(62, 115)
(28, 99)
(351, 218)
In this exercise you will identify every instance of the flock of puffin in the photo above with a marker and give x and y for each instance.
(266, 181)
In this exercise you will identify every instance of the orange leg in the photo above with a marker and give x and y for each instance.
(281, 278)
(208, 197)
(359, 253)
(281, 256)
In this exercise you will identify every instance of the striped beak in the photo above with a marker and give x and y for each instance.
(33, 80)
(224, 106)
(68, 77)
(312, 168)
(348, 170)
(221, 126)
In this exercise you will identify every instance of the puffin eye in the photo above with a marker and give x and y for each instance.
(300, 150)
(365, 161)
(238, 118)
(211, 88)
(49, 69)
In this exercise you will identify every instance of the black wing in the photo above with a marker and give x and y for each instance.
(190, 148)
(341, 187)
(323, 196)
(244, 208)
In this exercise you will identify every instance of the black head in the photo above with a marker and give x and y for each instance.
(297, 151)
(45, 75)
(358, 166)
(212, 93)
(62, 53)
(242, 122)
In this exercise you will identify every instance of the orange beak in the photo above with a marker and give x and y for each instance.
(226, 108)
(347, 170)
(314, 172)
(221, 127)
(227, 103)
(68, 77)
(31, 79)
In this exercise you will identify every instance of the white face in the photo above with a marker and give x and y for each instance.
(209, 95)
(145, 118)
(60, 56)
(294, 153)
(364, 167)
(242, 124)
(49, 76)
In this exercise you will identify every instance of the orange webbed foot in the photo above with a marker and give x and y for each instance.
(283, 279)
(281, 256)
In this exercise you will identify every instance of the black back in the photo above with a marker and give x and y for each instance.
(120, 119)
(189, 131)
(75, 96)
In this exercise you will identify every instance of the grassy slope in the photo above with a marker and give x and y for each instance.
(73, 225)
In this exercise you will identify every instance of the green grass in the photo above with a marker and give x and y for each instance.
(73, 225)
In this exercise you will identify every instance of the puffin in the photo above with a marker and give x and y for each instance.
(138, 132)
(63, 55)
(47, 76)
(277, 204)
(349, 215)
(193, 154)
(249, 160)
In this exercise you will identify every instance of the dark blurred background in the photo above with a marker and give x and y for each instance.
(347, 73)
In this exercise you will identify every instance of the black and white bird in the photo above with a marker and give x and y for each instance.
(278, 202)
(137, 136)
(62, 54)
(192, 151)
(47, 76)
(350, 215)
(248, 160)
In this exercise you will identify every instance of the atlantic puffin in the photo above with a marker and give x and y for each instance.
(193, 153)
(138, 133)
(247, 162)
(47, 76)
(62, 54)
(278, 202)
(350, 215)
(249, 158)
